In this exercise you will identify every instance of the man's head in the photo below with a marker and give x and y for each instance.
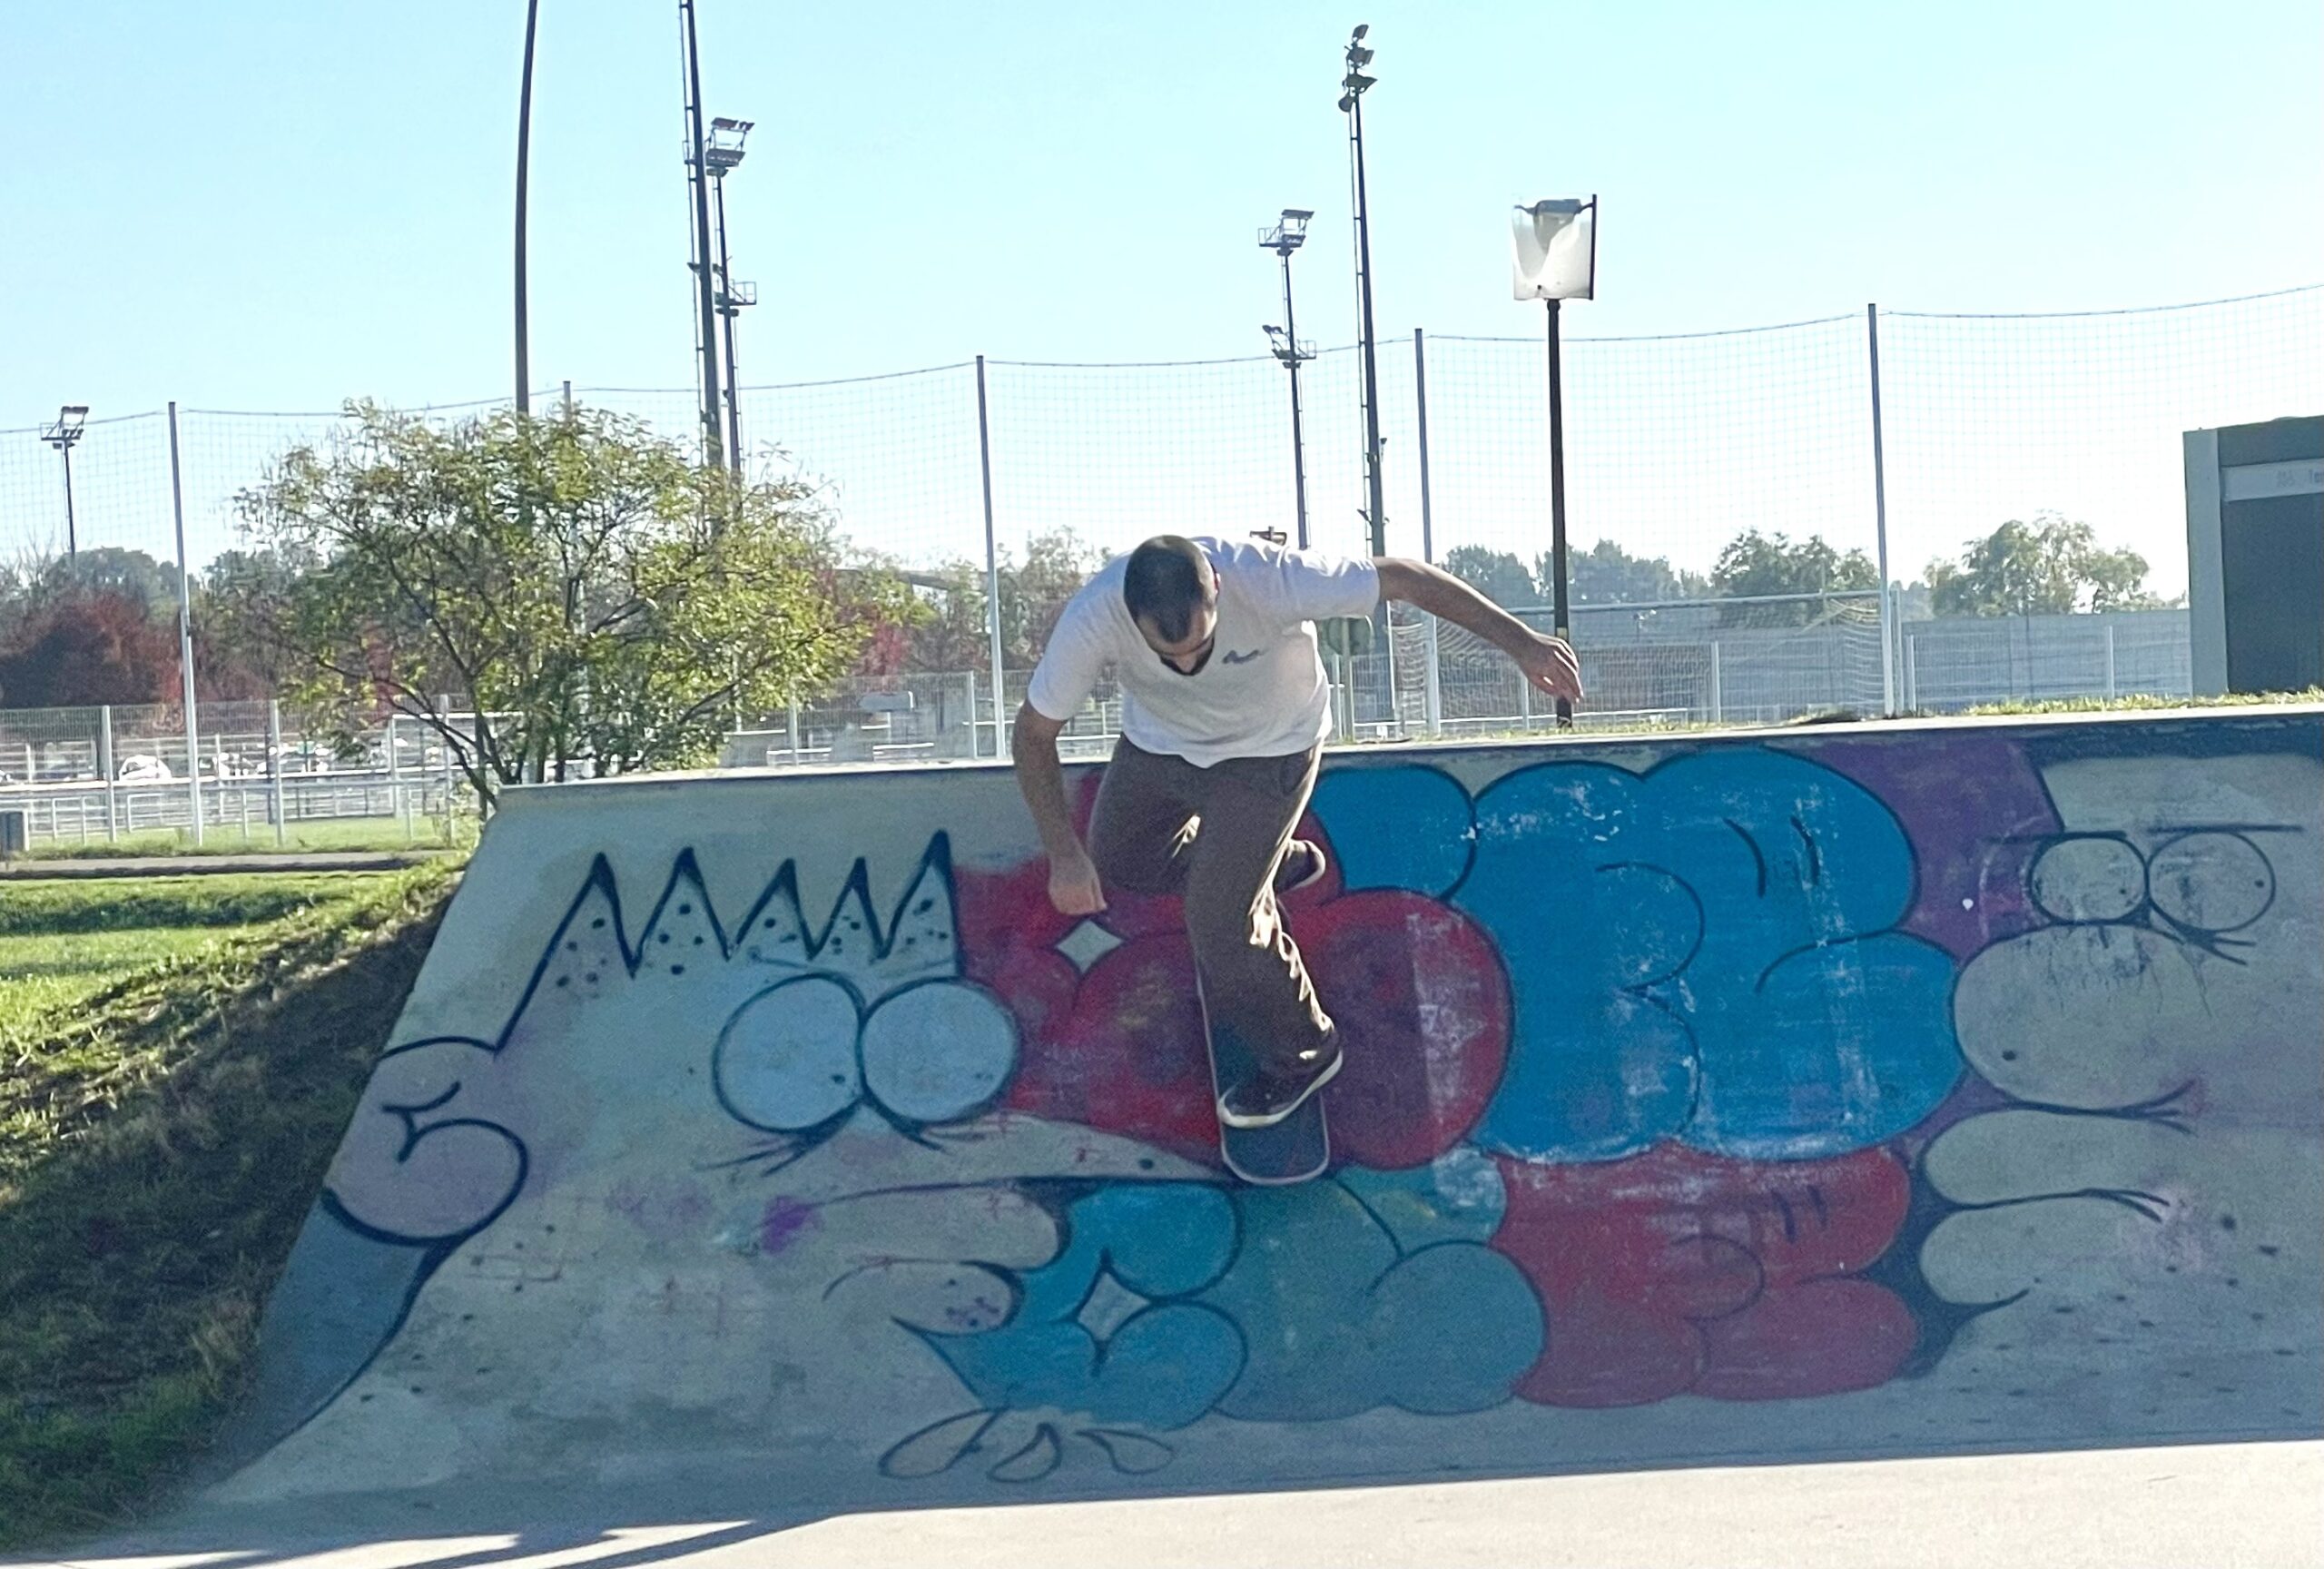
(1173, 597)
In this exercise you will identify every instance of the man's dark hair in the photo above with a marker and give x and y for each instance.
(1165, 583)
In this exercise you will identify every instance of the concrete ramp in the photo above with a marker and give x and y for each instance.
(1829, 1094)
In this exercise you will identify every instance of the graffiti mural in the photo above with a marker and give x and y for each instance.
(1761, 1074)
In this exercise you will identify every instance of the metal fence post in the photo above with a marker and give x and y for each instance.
(399, 799)
(451, 825)
(185, 635)
(274, 771)
(1435, 686)
(794, 730)
(106, 770)
(971, 678)
(1717, 696)
(1911, 673)
(992, 570)
(2109, 661)
(1880, 518)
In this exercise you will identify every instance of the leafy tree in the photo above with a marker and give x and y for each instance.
(90, 647)
(952, 633)
(1606, 574)
(236, 585)
(1757, 565)
(2050, 567)
(108, 569)
(1499, 576)
(581, 585)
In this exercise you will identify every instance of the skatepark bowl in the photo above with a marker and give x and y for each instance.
(1832, 1093)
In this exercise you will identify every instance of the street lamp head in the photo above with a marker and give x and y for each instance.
(1553, 250)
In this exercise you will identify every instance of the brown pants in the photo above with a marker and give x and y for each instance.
(1215, 835)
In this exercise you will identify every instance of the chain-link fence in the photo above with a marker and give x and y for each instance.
(1676, 446)
(119, 774)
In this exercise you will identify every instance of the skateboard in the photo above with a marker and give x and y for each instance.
(1292, 1150)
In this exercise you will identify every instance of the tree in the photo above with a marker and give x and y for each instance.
(1757, 565)
(1497, 575)
(952, 633)
(87, 648)
(2050, 567)
(1606, 574)
(108, 569)
(580, 584)
(235, 586)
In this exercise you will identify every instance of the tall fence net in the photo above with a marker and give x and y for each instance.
(1676, 447)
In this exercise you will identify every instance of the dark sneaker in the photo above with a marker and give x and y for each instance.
(1302, 866)
(1271, 1095)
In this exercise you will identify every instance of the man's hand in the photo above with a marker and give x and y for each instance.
(1074, 887)
(1549, 664)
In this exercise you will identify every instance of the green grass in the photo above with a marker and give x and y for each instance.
(229, 839)
(63, 942)
(164, 1128)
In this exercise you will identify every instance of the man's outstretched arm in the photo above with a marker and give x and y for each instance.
(1548, 662)
(1074, 887)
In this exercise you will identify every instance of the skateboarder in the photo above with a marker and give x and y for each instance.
(1225, 711)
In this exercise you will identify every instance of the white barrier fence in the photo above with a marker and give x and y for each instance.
(1673, 668)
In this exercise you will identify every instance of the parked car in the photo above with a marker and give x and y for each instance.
(143, 769)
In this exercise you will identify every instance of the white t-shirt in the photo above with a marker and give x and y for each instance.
(1261, 693)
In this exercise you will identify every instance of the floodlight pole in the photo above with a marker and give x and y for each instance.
(1298, 435)
(64, 434)
(1558, 607)
(523, 162)
(1354, 86)
(697, 177)
(1286, 237)
(728, 305)
(72, 528)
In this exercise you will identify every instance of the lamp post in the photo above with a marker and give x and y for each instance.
(64, 434)
(722, 152)
(1287, 235)
(1553, 257)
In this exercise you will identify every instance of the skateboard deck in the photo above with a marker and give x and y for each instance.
(1295, 1150)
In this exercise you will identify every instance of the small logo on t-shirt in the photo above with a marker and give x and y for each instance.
(1231, 658)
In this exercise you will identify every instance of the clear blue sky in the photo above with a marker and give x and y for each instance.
(268, 204)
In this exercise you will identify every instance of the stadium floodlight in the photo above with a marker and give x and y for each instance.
(725, 149)
(65, 435)
(1553, 257)
(1553, 250)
